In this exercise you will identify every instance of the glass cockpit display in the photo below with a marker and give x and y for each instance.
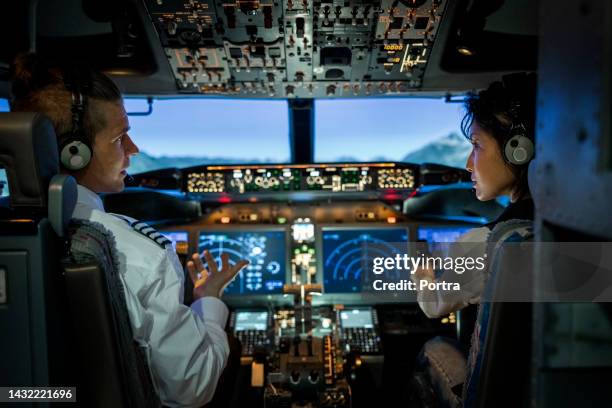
(358, 317)
(265, 251)
(348, 256)
(251, 321)
(437, 236)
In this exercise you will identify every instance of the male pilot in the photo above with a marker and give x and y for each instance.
(187, 347)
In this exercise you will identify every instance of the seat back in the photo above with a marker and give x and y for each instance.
(36, 353)
(113, 367)
(500, 355)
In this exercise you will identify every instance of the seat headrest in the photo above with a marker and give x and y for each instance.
(62, 200)
(532, 179)
(28, 153)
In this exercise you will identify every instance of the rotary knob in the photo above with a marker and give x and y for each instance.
(171, 27)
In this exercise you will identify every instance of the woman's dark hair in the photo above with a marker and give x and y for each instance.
(498, 108)
(38, 85)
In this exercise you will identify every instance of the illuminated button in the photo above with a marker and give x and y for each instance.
(182, 247)
(225, 220)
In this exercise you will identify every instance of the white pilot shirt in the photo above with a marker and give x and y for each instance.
(186, 346)
(436, 303)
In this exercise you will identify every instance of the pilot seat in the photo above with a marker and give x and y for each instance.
(60, 294)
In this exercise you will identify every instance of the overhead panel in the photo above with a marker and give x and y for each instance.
(301, 48)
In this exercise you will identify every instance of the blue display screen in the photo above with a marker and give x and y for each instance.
(434, 236)
(4, 190)
(441, 234)
(265, 250)
(348, 256)
(176, 236)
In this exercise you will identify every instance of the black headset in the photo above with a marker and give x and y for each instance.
(518, 148)
(74, 146)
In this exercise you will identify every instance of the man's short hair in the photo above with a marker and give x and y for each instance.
(39, 86)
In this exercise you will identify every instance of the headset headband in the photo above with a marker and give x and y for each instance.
(75, 147)
(518, 148)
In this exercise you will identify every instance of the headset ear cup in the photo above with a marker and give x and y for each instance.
(75, 154)
(519, 150)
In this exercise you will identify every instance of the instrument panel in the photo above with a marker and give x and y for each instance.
(387, 181)
(327, 178)
(339, 257)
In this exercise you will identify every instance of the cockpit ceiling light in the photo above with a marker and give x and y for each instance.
(465, 50)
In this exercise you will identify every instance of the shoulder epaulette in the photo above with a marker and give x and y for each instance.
(146, 230)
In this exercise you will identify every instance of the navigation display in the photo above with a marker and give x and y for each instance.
(176, 236)
(251, 321)
(348, 256)
(361, 317)
(441, 234)
(265, 251)
(437, 238)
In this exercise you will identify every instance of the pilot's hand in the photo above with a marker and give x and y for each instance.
(423, 273)
(212, 281)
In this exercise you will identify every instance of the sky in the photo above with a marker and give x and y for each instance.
(212, 127)
(371, 128)
(366, 129)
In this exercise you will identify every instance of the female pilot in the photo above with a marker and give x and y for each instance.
(500, 123)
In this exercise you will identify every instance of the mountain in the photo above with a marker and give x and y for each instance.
(144, 162)
(451, 150)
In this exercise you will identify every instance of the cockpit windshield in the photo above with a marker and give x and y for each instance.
(189, 132)
(414, 130)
